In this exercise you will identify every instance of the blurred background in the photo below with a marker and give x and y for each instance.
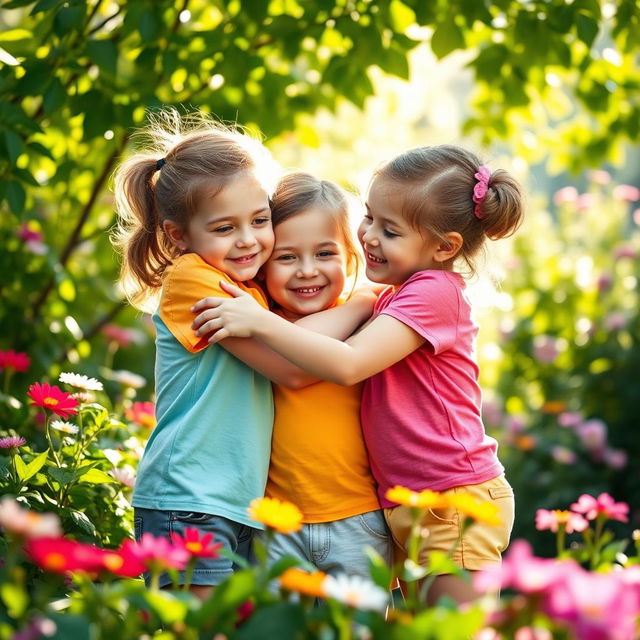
(549, 90)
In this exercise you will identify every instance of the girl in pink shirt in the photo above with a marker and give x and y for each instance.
(427, 211)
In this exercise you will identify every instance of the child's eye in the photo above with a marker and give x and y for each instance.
(286, 257)
(368, 218)
(389, 234)
(223, 229)
(326, 254)
(261, 220)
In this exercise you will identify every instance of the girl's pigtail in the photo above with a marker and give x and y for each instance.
(139, 236)
(502, 208)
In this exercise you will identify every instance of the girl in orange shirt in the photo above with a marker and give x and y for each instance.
(318, 458)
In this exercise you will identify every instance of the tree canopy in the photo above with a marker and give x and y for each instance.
(78, 75)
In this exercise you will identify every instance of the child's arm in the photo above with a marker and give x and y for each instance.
(338, 322)
(382, 343)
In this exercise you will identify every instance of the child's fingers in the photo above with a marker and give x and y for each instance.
(205, 316)
(209, 327)
(207, 303)
(236, 292)
(219, 335)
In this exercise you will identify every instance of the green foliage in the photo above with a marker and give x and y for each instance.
(566, 406)
(78, 76)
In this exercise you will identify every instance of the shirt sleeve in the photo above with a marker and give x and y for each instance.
(430, 305)
(188, 281)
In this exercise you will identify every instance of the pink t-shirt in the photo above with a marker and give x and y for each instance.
(421, 417)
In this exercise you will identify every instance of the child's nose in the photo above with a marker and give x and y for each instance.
(307, 269)
(246, 238)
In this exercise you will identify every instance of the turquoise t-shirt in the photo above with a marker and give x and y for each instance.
(210, 449)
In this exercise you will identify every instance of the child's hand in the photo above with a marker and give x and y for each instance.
(226, 317)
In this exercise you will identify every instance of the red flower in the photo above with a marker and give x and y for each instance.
(14, 361)
(142, 413)
(52, 398)
(60, 555)
(197, 546)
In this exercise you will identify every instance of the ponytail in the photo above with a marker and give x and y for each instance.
(145, 248)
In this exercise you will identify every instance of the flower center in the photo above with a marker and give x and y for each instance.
(55, 561)
(194, 547)
(50, 402)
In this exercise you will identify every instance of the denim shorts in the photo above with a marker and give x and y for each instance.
(338, 546)
(235, 537)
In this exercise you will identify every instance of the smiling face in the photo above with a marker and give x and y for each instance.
(306, 272)
(231, 229)
(393, 249)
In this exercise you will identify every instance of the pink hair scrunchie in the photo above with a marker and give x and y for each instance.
(480, 189)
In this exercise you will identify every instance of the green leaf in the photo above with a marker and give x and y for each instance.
(44, 5)
(14, 598)
(15, 195)
(282, 620)
(587, 29)
(35, 465)
(69, 18)
(447, 37)
(104, 53)
(61, 476)
(54, 96)
(380, 572)
(96, 476)
(81, 520)
(14, 145)
(21, 467)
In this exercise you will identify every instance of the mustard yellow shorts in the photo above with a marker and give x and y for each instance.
(481, 544)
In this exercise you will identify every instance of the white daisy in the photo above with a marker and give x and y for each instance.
(127, 378)
(65, 427)
(356, 592)
(80, 382)
(126, 475)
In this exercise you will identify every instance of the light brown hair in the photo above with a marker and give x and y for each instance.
(180, 159)
(298, 192)
(437, 196)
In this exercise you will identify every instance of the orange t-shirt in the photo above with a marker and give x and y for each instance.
(318, 457)
(186, 281)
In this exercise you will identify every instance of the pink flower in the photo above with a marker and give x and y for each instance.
(596, 606)
(12, 442)
(25, 523)
(60, 555)
(156, 552)
(14, 361)
(624, 251)
(586, 201)
(626, 192)
(124, 336)
(605, 282)
(142, 413)
(593, 434)
(532, 633)
(615, 458)
(26, 233)
(599, 176)
(521, 570)
(565, 195)
(615, 321)
(570, 419)
(545, 349)
(553, 520)
(636, 216)
(563, 455)
(604, 505)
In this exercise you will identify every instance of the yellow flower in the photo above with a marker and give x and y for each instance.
(486, 512)
(308, 584)
(284, 517)
(421, 499)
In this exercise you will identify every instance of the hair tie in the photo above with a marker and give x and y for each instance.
(480, 189)
(160, 163)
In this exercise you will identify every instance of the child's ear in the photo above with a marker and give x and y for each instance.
(449, 248)
(175, 233)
